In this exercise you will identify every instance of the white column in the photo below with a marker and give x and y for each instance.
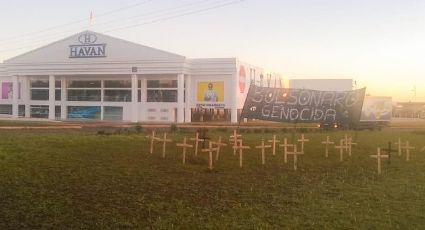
(51, 97)
(134, 104)
(102, 98)
(26, 93)
(180, 98)
(15, 104)
(188, 111)
(143, 100)
(64, 99)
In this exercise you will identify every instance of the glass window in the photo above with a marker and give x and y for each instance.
(83, 95)
(39, 111)
(84, 84)
(58, 95)
(40, 94)
(162, 83)
(39, 83)
(117, 84)
(58, 84)
(6, 109)
(139, 95)
(84, 112)
(58, 112)
(21, 110)
(162, 96)
(111, 113)
(117, 95)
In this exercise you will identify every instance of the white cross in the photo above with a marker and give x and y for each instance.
(274, 141)
(296, 153)
(263, 147)
(302, 140)
(234, 138)
(341, 148)
(378, 156)
(327, 143)
(407, 147)
(350, 143)
(400, 145)
(164, 142)
(285, 146)
(241, 147)
(210, 150)
(184, 145)
(197, 140)
(218, 145)
(152, 138)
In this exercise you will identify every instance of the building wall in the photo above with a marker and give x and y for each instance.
(134, 62)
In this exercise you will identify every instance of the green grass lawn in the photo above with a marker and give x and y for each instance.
(65, 180)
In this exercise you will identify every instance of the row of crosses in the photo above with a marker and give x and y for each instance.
(345, 145)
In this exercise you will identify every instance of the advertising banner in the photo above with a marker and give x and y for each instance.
(6, 90)
(303, 105)
(377, 109)
(210, 94)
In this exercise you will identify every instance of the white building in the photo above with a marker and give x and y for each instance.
(92, 76)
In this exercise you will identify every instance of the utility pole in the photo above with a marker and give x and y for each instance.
(414, 101)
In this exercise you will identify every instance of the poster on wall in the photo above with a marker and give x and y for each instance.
(303, 105)
(6, 90)
(84, 112)
(210, 94)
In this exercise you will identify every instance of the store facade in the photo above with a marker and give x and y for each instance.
(91, 76)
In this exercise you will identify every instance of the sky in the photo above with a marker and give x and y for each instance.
(378, 43)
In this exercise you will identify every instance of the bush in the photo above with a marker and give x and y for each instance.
(138, 128)
(173, 128)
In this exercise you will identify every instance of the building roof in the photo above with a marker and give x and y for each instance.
(120, 51)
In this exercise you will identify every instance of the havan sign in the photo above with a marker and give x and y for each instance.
(88, 48)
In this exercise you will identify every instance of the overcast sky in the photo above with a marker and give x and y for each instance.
(379, 43)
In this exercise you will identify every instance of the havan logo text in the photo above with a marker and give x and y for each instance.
(87, 49)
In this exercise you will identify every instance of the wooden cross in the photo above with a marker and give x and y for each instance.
(218, 145)
(210, 150)
(285, 146)
(407, 147)
(274, 141)
(296, 153)
(240, 147)
(378, 156)
(184, 145)
(327, 143)
(263, 147)
(234, 138)
(389, 150)
(341, 148)
(164, 143)
(302, 140)
(400, 145)
(350, 144)
(197, 140)
(152, 138)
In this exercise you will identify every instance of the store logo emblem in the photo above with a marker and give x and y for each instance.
(88, 47)
(87, 38)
